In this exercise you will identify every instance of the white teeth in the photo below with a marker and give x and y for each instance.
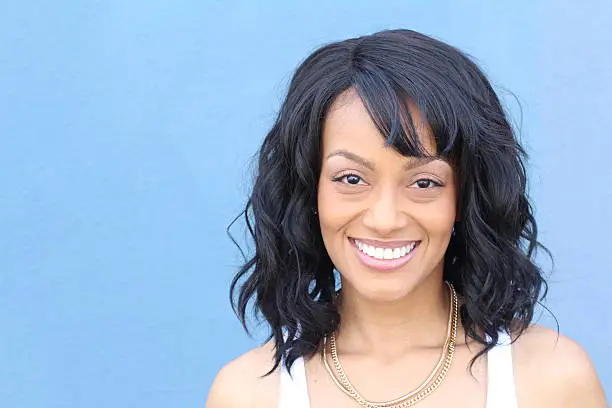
(379, 253)
(385, 253)
(388, 253)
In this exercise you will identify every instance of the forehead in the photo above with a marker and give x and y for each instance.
(348, 122)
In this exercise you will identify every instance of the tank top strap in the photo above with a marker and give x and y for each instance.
(501, 389)
(293, 386)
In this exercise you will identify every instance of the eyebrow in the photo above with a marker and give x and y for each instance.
(415, 162)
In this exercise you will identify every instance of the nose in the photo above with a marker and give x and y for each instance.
(384, 215)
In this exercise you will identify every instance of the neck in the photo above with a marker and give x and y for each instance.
(419, 320)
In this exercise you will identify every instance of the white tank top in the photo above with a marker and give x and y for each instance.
(501, 391)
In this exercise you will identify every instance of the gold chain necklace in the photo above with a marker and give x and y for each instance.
(425, 389)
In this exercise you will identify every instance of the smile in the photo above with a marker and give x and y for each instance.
(384, 256)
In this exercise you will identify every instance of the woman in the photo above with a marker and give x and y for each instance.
(394, 244)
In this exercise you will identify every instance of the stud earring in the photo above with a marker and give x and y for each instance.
(454, 230)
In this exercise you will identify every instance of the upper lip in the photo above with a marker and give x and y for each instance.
(385, 244)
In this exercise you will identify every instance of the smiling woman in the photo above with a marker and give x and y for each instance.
(392, 162)
(375, 203)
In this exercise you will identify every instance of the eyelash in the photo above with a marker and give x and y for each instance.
(341, 177)
(432, 181)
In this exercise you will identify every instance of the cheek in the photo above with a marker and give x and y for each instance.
(439, 217)
(331, 215)
(334, 214)
(327, 216)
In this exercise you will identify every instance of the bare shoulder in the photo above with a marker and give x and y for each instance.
(553, 370)
(243, 382)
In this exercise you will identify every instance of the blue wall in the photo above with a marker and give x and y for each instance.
(126, 129)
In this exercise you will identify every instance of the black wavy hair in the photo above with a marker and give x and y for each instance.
(490, 260)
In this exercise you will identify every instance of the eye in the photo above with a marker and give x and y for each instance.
(426, 183)
(351, 179)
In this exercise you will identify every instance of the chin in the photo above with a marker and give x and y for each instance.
(389, 291)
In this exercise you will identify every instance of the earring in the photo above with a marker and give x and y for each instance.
(314, 211)
(454, 230)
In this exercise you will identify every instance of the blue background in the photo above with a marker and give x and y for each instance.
(126, 130)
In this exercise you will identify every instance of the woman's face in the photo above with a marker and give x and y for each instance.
(386, 219)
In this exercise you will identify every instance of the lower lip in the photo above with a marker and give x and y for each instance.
(382, 264)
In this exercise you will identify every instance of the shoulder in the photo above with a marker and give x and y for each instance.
(243, 382)
(553, 370)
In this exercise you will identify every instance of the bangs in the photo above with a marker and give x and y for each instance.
(391, 104)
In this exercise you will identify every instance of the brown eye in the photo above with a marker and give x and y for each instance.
(426, 183)
(351, 179)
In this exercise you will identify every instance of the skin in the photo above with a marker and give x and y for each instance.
(392, 320)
